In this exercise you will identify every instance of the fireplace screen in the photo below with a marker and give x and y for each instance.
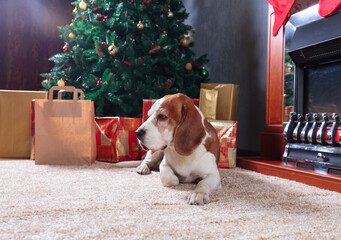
(322, 88)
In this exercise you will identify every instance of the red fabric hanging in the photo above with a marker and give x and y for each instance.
(327, 7)
(282, 9)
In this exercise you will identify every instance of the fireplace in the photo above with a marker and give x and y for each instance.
(312, 133)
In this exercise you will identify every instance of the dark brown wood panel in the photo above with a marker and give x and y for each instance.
(271, 139)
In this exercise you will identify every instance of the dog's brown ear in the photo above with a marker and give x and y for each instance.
(190, 131)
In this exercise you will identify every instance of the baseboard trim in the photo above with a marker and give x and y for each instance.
(277, 168)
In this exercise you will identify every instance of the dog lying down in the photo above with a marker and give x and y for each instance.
(182, 144)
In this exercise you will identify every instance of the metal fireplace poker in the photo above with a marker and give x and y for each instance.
(313, 142)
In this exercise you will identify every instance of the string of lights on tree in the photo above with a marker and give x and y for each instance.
(122, 51)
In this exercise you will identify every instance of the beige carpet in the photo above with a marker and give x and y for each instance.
(107, 202)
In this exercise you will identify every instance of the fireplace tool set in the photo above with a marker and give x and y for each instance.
(313, 142)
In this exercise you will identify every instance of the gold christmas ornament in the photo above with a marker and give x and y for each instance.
(288, 68)
(170, 14)
(75, 10)
(188, 66)
(140, 25)
(74, 48)
(61, 83)
(112, 49)
(184, 42)
(72, 35)
(82, 5)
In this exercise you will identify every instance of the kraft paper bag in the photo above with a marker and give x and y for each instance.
(15, 122)
(65, 130)
(208, 103)
(227, 99)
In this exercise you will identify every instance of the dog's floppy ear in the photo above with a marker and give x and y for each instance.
(190, 131)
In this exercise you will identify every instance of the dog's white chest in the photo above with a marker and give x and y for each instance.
(188, 168)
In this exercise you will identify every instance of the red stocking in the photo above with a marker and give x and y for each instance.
(327, 7)
(282, 9)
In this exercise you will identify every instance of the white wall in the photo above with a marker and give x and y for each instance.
(234, 34)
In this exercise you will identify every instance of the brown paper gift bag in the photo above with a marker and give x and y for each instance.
(227, 99)
(65, 130)
(15, 122)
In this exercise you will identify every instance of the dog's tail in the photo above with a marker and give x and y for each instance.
(128, 164)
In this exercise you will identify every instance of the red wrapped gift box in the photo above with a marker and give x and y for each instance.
(227, 134)
(116, 139)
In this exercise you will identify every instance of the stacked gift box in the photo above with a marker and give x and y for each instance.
(218, 102)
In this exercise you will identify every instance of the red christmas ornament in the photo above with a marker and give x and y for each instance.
(68, 69)
(92, 2)
(100, 82)
(104, 44)
(65, 47)
(66, 80)
(105, 19)
(128, 63)
(163, 30)
(158, 86)
(165, 45)
(183, 19)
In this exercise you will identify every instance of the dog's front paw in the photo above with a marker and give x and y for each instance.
(198, 198)
(169, 180)
(143, 169)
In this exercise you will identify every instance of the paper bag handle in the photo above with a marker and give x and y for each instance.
(66, 89)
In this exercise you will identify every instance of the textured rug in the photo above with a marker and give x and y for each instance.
(106, 202)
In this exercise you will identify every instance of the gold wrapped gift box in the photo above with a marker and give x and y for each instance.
(15, 122)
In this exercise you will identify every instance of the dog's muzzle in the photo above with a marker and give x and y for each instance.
(140, 133)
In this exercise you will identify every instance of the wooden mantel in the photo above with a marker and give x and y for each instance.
(270, 160)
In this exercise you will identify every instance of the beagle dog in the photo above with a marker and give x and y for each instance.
(183, 144)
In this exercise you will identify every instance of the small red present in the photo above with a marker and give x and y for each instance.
(227, 134)
(116, 139)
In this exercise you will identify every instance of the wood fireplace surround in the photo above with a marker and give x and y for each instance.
(272, 144)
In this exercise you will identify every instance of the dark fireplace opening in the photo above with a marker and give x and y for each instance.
(313, 132)
(322, 88)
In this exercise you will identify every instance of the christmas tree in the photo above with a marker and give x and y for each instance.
(122, 51)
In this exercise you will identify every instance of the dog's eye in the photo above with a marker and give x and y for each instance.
(161, 117)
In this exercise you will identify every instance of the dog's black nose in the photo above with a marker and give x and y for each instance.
(139, 133)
